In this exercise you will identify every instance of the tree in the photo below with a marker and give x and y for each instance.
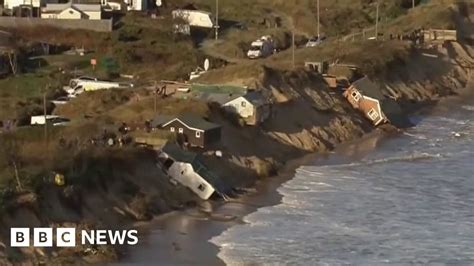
(11, 149)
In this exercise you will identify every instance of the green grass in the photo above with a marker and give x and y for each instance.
(17, 89)
(217, 88)
(23, 86)
(434, 14)
(69, 62)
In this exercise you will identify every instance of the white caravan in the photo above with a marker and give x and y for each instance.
(92, 84)
(194, 18)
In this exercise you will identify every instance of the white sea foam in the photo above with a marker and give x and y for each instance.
(398, 206)
(468, 107)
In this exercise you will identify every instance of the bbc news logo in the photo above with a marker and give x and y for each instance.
(66, 237)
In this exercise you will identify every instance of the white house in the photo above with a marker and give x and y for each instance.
(11, 4)
(252, 106)
(72, 11)
(186, 169)
(111, 5)
(136, 5)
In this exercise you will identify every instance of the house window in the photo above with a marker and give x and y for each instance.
(373, 114)
(356, 95)
(243, 104)
(202, 187)
(172, 129)
(180, 130)
(198, 134)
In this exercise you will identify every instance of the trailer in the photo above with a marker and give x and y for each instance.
(84, 83)
(50, 119)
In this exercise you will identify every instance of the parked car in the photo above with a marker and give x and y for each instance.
(73, 92)
(315, 41)
(61, 100)
(261, 48)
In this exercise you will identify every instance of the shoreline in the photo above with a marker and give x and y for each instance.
(182, 237)
(180, 233)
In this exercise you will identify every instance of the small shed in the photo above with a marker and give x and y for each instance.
(192, 129)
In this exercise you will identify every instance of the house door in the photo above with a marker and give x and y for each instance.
(182, 139)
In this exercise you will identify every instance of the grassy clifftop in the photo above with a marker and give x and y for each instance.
(147, 47)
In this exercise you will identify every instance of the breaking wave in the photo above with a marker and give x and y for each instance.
(468, 107)
(409, 202)
(404, 158)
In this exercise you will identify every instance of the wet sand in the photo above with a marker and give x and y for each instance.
(182, 237)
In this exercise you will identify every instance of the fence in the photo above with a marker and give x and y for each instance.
(364, 34)
(104, 25)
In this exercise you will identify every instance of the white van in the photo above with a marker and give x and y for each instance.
(262, 47)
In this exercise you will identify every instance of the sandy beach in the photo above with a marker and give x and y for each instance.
(182, 237)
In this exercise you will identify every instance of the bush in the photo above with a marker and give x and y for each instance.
(24, 113)
(126, 55)
(110, 66)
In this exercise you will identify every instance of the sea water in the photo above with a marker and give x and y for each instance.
(410, 201)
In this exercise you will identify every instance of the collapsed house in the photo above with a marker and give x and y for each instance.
(367, 97)
(188, 169)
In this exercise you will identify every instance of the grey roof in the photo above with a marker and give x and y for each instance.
(196, 121)
(160, 120)
(178, 154)
(190, 120)
(368, 88)
(255, 98)
(389, 107)
(220, 98)
(56, 8)
(395, 114)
